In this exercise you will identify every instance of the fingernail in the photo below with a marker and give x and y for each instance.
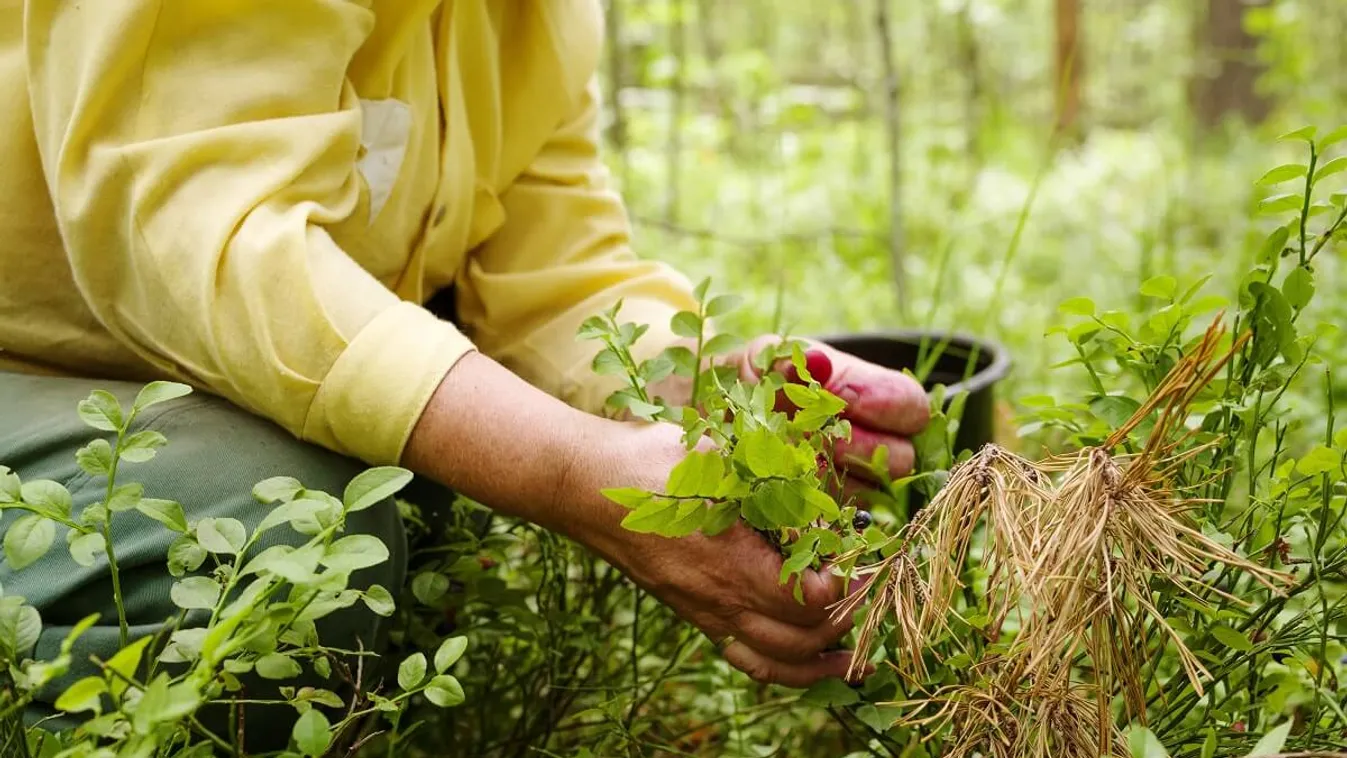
(820, 366)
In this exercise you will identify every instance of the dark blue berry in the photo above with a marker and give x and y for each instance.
(862, 521)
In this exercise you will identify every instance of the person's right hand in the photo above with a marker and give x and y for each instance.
(728, 586)
(492, 437)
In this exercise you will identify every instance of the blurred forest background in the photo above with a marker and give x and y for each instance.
(873, 160)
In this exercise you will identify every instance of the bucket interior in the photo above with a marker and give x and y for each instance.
(903, 351)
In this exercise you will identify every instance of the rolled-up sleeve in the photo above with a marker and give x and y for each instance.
(564, 254)
(194, 152)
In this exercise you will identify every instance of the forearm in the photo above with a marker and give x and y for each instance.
(502, 442)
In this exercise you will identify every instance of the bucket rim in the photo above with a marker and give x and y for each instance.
(984, 378)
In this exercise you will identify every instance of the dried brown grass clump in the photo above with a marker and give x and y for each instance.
(1074, 547)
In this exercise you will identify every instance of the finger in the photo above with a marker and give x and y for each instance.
(787, 642)
(881, 398)
(797, 675)
(854, 455)
(775, 599)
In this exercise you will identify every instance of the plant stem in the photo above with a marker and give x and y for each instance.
(1320, 538)
(124, 629)
(1305, 209)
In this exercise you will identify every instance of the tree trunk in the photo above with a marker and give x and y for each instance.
(1069, 67)
(1226, 80)
(893, 132)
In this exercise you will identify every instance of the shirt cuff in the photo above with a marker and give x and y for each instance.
(379, 386)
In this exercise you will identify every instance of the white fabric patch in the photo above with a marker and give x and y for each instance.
(386, 128)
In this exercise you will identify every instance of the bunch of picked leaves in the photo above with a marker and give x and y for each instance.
(759, 452)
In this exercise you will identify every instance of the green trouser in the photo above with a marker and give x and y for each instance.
(215, 454)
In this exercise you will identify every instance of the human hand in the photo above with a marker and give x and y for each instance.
(728, 586)
(885, 407)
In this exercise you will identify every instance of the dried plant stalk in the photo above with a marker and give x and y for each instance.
(1072, 547)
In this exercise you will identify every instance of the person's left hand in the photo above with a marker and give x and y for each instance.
(885, 407)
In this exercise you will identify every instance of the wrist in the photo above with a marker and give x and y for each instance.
(622, 454)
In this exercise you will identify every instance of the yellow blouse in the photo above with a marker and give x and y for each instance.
(258, 196)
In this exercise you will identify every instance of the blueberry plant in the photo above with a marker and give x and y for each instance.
(242, 611)
(1165, 580)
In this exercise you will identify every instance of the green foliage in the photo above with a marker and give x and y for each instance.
(260, 608)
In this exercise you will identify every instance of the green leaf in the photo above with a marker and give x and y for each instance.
(1163, 287)
(686, 324)
(222, 536)
(698, 474)
(125, 497)
(1283, 174)
(630, 497)
(28, 539)
(1298, 287)
(141, 446)
(1083, 332)
(1320, 460)
(700, 292)
(47, 496)
(722, 304)
(1077, 306)
(379, 600)
(11, 487)
(450, 651)
(312, 733)
(721, 344)
(95, 458)
(444, 691)
(1142, 743)
(687, 519)
(1281, 203)
(656, 369)
(412, 671)
(297, 566)
(683, 359)
(1206, 304)
(821, 503)
(775, 504)
(278, 666)
(355, 552)
(195, 592)
(764, 453)
(830, 692)
(608, 363)
(159, 392)
(643, 410)
(277, 488)
(85, 548)
(1274, 245)
(184, 555)
(1335, 166)
(101, 411)
(652, 517)
(429, 587)
(162, 703)
(83, 695)
(302, 514)
(1209, 744)
(1305, 133)
(124, 663)
(1231, 638)
(1332, 138)
(1272, 742)
(166, 512)
(1114, 410)
(373, 486)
